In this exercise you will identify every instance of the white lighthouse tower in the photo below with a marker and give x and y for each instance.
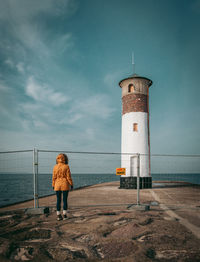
(135, 131)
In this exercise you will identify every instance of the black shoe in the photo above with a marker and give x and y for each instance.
(65, 217)
(59, 217)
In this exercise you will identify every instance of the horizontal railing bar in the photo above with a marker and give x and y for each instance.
(114, 153)
(83, 152)
(173, 155)
(17, 151)
(99, 153)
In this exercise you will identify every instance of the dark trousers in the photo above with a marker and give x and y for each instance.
(65, 196)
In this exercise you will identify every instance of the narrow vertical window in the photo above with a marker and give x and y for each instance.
(135, 127)
(130, 88)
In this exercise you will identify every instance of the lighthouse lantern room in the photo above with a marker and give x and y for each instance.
(135, 137)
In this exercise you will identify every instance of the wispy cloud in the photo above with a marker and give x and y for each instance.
(32, 51)
(27, 36)
(9, 62)
(43, 93)
(4, 88)
(73, 118)
(40, 113)
(27, 9)
(62, 43)
(95, 106)
(90, 133)
(20, 67)
(112, 78)
(13, 65)
(36, 116)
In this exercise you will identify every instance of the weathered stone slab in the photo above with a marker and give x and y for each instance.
(139, 207)
(37, 211)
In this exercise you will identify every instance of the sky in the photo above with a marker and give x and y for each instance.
(61, 62)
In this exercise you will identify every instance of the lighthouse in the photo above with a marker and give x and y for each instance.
(135, 134)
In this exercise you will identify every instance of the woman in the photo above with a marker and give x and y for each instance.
(61, 183)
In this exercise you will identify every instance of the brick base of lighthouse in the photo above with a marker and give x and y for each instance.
(131, 182)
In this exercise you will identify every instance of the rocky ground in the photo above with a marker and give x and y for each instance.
(97, 233)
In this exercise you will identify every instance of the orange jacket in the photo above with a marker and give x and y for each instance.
(61, 175)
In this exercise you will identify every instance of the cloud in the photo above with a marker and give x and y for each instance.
(40, 113)
(27, 9)
(42, 93)
(32, 38)
(40, 124)
(88, 114)
(26, 32)
(9, 62)
(36, 116)
(12, 64)
(62, 43)
(94, 106)
(74, 118)
(90, 133)
(20, 67)
(112, 79)
(31, 49)
(4, 88)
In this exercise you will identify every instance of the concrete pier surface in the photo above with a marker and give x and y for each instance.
(103, 225)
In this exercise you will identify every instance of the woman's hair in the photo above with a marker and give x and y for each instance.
(63, 157)
(66, 158)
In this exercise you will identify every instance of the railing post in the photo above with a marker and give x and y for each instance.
(138, 179)
(35, 177)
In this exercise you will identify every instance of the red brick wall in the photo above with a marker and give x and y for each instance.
(134, 103)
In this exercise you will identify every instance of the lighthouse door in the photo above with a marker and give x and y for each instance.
(133, 166)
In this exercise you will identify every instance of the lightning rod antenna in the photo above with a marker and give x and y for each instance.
(133, 62)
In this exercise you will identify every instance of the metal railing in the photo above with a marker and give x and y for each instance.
(27, 174)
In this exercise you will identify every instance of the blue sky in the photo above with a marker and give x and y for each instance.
(61, 62)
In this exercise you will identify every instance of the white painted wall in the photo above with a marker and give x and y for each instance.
(135, 142)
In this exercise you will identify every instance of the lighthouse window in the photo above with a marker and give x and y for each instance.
(130, 88)
(135, 127)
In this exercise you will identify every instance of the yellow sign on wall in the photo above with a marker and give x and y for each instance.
(120, 171)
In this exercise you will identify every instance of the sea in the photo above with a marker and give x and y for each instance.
(16, 188)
